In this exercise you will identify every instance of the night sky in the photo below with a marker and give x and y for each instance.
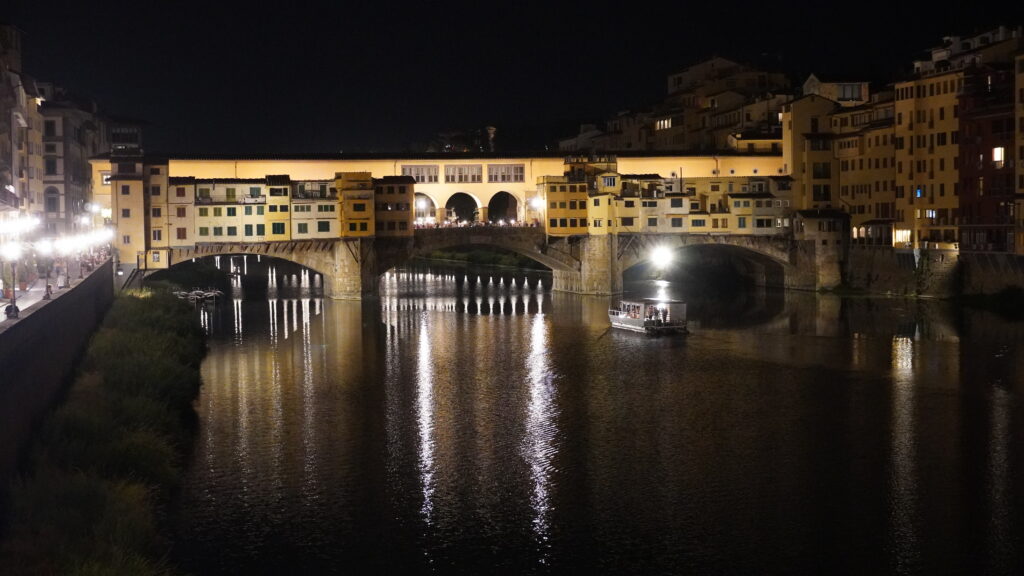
(365, 76)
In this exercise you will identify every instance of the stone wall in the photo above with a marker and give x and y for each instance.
(888, 270)
(991, 273)
(38, 352)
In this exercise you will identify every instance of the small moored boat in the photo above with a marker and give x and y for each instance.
(650, 316)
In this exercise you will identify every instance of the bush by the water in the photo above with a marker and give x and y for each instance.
(107, 459)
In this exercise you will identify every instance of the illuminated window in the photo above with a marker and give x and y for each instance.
(663, 124)
(506, 172)
(998, 157)
(424, 174)
(463, 173)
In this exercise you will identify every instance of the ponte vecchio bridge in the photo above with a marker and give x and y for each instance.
(352, 268)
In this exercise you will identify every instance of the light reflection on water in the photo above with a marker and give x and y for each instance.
(904, 481)
(541, 431)
(425, 419)
(473, 424)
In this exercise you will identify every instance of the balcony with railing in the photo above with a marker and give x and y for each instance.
(231, 200)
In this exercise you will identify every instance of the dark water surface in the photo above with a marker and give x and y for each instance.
(497, 428)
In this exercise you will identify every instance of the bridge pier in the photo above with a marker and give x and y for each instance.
(348, 269)
(600, 270)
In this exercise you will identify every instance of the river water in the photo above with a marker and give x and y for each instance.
(486, 425)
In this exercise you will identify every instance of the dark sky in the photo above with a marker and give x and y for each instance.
(368, 76)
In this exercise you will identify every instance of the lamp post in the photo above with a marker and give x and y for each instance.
(537, 204)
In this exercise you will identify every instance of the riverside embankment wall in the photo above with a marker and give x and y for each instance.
(38, 352)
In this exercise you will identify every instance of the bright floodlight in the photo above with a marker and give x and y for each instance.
(537, 203)
(661, 256)
(44, 247)
(421, 203)
(10, 251)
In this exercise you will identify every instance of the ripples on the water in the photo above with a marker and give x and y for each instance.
(480, 424)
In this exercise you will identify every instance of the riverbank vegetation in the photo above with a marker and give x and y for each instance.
(105, 462)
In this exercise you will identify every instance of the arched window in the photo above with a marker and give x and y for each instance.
(52, 200)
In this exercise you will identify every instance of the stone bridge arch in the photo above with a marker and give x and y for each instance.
(457, 197)
(525, 241)
(315, 255)
(768, 260)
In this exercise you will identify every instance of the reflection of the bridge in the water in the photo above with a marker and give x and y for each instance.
(509, 293)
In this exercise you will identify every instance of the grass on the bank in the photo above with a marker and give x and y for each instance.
(106, 460)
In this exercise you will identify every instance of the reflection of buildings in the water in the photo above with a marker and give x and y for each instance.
(580, 310)
(999, 532)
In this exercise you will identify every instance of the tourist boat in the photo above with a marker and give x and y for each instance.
(650, 316)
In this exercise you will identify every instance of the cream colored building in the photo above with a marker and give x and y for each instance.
(159, 204)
